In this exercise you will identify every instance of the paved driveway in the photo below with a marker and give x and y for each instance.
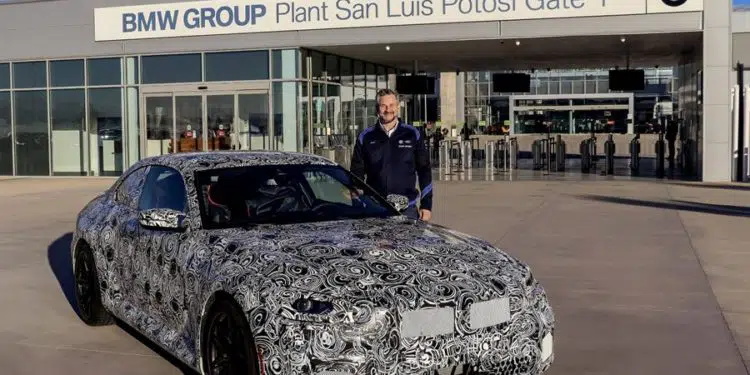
(645, 278)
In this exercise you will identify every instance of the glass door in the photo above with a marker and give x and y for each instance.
(189, 122)
(158, 120)
(252, 116)
(220, 117)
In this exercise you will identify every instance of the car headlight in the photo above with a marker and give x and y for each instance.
(312, 306)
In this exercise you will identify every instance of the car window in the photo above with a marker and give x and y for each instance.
(129, 190)
(282, 194)
(327, 188)
(164, 188)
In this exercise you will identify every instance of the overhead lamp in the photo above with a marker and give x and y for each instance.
(518, 42)
(387, 48)
(622, 39)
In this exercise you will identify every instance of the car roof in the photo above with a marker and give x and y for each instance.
(190, 162)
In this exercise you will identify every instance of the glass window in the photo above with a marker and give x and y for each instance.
(105, 131)
(66, 73)
(236, 66)
(382, 78)
(235, 197)
(129, 190)
(32, 140)
(347, 76)
(30, 75)
(372, 80)
(359, 73)
(164, 188)
(332, 68)
(285, 64)
(318, 64)
(68, 120)
(171, 68)
(104, 71)
(4, 76)
(6, 135)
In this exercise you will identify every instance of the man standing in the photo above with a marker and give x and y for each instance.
(391, 156)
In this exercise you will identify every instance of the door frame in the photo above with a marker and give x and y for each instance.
(203, 90)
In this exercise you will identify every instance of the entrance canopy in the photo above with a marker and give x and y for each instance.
(570, 52)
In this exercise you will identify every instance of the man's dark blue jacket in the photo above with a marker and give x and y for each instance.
(391, 165)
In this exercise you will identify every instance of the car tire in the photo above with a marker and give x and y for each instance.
(226, 335)
(87, 291)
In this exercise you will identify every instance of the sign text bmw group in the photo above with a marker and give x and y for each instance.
(236, 16)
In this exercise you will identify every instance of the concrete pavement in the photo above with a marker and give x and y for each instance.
(645, 277)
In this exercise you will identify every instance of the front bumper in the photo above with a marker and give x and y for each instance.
(522, 345)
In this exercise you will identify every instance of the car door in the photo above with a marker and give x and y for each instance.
(118, 239)
(159, 267)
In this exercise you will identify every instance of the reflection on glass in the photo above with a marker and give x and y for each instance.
(360, 112)
(171, 68)
(105, 132)
(32, 140)
(319, 125)
(347, 108)
(6, 136)
(104, 71)
(159, 125)
(333, 109)
(304, 117)
(189, 123)
(221, 129)
(382, 77)
(30, 74)
(237, 66)
(253, 121)
(68, 120)
(4, 76)
(66, 73)
(371, 106)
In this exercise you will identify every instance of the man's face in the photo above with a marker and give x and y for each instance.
(388, 108)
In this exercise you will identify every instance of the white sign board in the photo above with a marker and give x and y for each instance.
(217, 17)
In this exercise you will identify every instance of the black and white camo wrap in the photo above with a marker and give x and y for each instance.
(372, 271)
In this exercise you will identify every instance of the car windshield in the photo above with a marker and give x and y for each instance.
(284, 194)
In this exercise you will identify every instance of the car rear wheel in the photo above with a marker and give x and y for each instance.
(227, 343)
(88, 294)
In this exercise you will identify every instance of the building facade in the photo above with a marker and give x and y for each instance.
(89, 96)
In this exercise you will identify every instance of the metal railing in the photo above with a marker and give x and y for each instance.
(501, 155)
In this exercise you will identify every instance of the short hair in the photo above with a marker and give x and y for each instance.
(385, 92)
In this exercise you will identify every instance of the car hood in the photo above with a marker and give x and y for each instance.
(394, 260)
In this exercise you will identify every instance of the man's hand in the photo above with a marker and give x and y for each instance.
(425, 215)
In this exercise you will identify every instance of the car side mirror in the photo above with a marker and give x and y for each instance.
(399, 202)
(162, 218)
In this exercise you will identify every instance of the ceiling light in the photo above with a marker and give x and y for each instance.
(622, 39)
(518, 42)
(387, 48)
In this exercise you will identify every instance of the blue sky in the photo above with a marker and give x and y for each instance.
(741, 2)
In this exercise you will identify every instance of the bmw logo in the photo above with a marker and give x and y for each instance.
(673, 3)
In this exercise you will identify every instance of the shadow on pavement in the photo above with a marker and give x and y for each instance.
(60, 261)
(705, 208)
(59, 257)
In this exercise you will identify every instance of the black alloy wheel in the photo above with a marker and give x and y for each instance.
(228, 347)
(88, 294)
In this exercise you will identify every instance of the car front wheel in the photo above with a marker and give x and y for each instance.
(88, 294)
(227, 344)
